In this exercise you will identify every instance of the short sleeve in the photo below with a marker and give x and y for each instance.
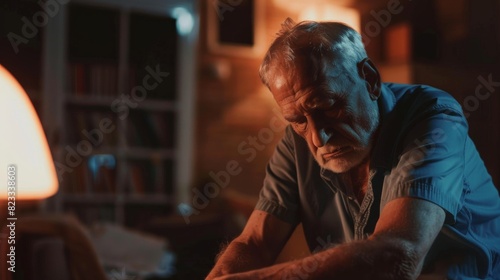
(431, 164)
(279, 194)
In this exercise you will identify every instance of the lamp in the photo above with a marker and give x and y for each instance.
(23, 147)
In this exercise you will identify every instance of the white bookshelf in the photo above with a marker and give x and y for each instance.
(65, 103)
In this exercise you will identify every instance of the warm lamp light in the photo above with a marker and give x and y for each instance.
(323, 10)
(329, 12)
(23, 144)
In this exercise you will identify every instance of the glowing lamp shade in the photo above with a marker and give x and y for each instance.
(23, 145)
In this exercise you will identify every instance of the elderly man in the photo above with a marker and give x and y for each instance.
(385, 173)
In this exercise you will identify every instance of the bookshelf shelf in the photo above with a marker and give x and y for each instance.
(156, 199)
(160, 106)
(88, 100)
(145, 153)
(89, 198)
(109, 198)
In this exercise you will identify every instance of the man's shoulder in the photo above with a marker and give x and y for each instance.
(422, 98)
(415, 106)
(400, 90)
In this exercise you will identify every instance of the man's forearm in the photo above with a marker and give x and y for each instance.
(368, 259)
(404, 233)
(238, 257)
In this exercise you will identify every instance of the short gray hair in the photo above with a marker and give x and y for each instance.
(318, 41)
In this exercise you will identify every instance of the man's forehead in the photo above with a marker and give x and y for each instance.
(281, 83)
(282, 88)
(286, 88)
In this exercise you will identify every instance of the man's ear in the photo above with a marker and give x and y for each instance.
(368, 71)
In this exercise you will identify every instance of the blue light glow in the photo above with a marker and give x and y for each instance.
(185, 21)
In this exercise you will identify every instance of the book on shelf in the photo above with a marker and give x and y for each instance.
(137, 179)
(85, 126)
(104, 180)
(93, 79)
(102, 168)
(164, 127)
(146, 176)
(92, 176)
(78, 181)
(150, 130)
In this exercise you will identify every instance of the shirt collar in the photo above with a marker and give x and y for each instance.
(381, 156)
(386, 101)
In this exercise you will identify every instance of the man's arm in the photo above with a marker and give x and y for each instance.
(396, 250)
(258, 245)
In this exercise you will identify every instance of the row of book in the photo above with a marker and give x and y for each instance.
(144, 177)
(101, 80)
(96, 79)
(87, 125)
(87, 178)
(142, 129)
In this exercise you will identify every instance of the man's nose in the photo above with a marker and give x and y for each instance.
(319, 136)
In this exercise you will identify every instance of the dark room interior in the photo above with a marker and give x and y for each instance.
(160, 129)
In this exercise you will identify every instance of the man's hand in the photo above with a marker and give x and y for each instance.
(258, 245)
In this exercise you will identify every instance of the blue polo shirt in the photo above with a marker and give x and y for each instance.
(422, 150)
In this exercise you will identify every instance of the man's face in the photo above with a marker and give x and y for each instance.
(333, 113)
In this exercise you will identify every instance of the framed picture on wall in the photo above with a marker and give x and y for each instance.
(236, 27)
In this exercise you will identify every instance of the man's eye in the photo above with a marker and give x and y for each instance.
(299, 125)
(332, 114)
